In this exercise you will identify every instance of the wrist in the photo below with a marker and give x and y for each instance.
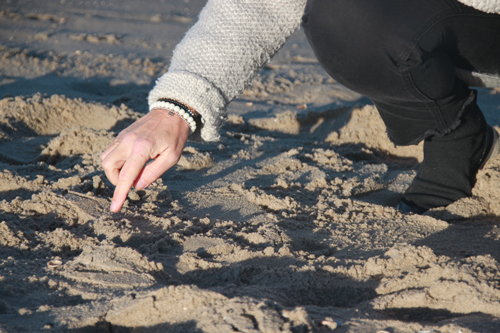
(179, 109)
(172, 118)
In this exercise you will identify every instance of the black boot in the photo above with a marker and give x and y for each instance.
(451, 162)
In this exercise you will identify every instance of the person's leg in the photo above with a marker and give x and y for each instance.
(402, 55)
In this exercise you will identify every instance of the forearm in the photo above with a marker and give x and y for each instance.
(223, 51)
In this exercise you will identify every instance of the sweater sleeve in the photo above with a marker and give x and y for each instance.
(488, 6)
(222, 52)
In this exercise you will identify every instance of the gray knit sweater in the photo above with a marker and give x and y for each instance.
(231, 41)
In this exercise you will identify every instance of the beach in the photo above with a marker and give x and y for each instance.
(287, 224)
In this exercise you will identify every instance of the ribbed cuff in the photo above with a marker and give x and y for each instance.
(200, 95)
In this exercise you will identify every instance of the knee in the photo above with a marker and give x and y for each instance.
(350, 37)
(344, 22)
(326, 17)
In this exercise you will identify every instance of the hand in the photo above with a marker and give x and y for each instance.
(156, 136)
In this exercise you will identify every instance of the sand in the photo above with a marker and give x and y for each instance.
(286, 225)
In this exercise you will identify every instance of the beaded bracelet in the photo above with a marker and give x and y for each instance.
(178, 109)
(181, 105)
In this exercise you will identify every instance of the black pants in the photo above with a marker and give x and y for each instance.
(402, 54)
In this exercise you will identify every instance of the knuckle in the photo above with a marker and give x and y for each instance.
(104, 154)
(129, 138)
(106, 164)
(141, 144)
(111, 176)
(142, 149)
(124, 175)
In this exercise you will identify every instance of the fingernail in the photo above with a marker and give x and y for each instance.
(140, 184)
(114, 205)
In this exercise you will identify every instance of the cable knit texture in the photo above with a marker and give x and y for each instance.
(223, 51)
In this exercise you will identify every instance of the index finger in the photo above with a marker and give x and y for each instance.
(128, 174)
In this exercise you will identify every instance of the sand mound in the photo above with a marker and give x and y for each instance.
(365, 126)
(27, 125)
(361, 126)
(50, 115)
